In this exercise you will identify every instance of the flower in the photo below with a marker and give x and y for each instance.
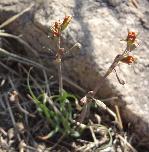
(131, 37)
(132, 41)
(56, 29)
(59, 26)
(128, 59)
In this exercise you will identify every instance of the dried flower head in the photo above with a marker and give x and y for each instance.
(131, 37)
(128, 59)
(59, 26)
(132, 41)
(56, 29)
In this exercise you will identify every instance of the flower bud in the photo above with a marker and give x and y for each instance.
(56, 29)
(66, 22)
(131, 36)
(128, 59)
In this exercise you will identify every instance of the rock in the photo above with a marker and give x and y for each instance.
(99, 28)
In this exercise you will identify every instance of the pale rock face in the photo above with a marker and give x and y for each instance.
(98, 25)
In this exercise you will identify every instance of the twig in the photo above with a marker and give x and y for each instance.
(98, 118)
(13, 18)
(119, 117)
(2, 104)
(3, 131)
(85, 112)
(83, 141)
(9, 69)
(128, 144)
(12, 107)
(101, 142)
(101, 81)
(12, 117)
(103, 106)
(16, 98)
(91, 145)
(87, 147)
(59, 140)
(21, 59)
(135, 3)
(29, 48)
(93, 135)
(50, 101)
(23, 145)
(86, 108)
(24, 111)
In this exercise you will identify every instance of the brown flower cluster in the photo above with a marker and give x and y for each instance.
(59, 26)
(132, 43)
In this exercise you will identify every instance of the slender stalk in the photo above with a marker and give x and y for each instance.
(99, 84)
(101, 80)
(60, 77)
(13, 18)
(12, 118)
(119, 117)
(60, 69)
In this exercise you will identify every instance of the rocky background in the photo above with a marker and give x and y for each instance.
(98, 25)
